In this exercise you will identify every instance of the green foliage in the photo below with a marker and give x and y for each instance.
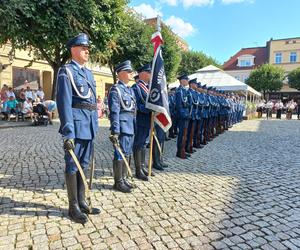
(44, 26)
(266, 78)
(171, 54)
(132, 42)
(193, 60)
(294, 78)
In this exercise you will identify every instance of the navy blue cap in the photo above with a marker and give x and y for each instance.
(146, 68)
(124, 66)
(204, 86)
(199, 85)
(183, 77)
(136, 77)
(81, 39)
(193, 81)
(209, 88)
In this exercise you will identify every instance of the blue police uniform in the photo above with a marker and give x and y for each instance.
(122, 107)
(77, 108)
(172, 108)
(143, 123)
(199, 118)
(194, 103)
(76, 121)
(183, 114)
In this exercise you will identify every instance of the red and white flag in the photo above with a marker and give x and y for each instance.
(157, 99)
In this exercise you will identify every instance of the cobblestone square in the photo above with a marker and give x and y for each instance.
(241, 191)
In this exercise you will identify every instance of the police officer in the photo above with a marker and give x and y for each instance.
(143, 122)
(183, 114)
(194, 102)
(77, 108)
(199, 117)
(172, 108)
(122, 107)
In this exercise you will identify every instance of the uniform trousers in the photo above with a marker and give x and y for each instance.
(126, 144)
(83, 151)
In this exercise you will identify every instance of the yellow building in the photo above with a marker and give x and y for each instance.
(285, 53)
(15, 72)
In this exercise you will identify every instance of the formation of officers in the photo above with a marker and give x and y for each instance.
(198, 115)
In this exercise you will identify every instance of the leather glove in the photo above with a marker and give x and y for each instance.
(69, 144)
(114, 138)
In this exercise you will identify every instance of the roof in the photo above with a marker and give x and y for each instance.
(215, 77)
(260, 54)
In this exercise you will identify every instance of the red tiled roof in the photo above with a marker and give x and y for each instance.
(260, 53)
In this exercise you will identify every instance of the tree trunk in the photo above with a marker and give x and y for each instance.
(264, 93)
(55, 70)
(111, 67)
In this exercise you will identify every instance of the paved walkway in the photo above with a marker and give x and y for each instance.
(242, 191)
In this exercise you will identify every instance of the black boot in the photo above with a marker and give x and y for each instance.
(84, 207)
(137, 155)
(119, 183)
(156, 158)
(74, 210)
(125, 175)
(144, 165)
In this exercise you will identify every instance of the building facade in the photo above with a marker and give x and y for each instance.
(284, 53)
(16, 71)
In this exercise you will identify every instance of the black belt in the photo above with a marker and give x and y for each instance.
(88, 106)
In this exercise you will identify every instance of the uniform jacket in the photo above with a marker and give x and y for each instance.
(182, 103)
(122, 108)
(75, 122)
(143, 117)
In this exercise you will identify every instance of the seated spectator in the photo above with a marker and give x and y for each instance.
(10, 93)
(3, 110)
(11, 106)
(51, 107)
(40, 93)
(28, 93)
(27, 108)
(21, 98)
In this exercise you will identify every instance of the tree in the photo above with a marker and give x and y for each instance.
(171, 53)
(193, 60)
(294, 78)
(266, 78)
(44, 26)
(133, 42)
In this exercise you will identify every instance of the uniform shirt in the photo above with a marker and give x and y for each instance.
(10, 93)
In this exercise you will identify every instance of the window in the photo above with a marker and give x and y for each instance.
(246, 60)
(22, 74)
(278, 57)
(245, 63)
(293, 57)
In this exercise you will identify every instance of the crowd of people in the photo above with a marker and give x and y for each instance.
(23, 103)
(278, 107)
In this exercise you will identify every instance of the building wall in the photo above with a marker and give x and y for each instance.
(285, 47)
(240, 75)
(103, 76)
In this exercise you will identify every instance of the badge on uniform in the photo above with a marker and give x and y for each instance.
(81, 89)
(126, 102)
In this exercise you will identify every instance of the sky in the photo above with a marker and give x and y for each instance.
(220, 28)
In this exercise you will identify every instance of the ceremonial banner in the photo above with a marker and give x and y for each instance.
(157, 99)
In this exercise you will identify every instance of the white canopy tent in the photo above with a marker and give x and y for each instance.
(215, 77)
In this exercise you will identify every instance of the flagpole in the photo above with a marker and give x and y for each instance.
(152, 119)
(151, 145)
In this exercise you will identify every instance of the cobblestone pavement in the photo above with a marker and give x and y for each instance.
(242, 191)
